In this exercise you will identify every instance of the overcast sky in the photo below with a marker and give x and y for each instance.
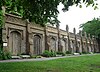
(76, 16)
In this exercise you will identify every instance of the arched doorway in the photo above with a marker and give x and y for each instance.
(37, 45)
(53, 44)
(15, 43)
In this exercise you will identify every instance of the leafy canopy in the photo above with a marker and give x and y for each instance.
(41, 11)
(92, 27)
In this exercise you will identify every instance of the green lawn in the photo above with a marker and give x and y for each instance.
(74, 64)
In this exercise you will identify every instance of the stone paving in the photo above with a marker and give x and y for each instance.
(44, 59)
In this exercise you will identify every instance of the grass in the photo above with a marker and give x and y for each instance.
(74, 64)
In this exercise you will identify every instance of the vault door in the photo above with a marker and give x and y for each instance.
(15, 43)
(37, 45)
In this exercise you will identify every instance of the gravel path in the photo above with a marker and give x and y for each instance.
(43, 59)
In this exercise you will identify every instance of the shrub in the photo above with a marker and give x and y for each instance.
(84, 52)
(0, 56)
(80, 53)
(24, 53)
(52, 54)
(8, 55)
(36, 56)
(18, 54)
(68, 52)
(4, 55)
(90, 52)
(61, 53)
(47, 53)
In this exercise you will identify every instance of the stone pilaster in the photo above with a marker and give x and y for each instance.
(81, 42)
(59, 39)
(47, 43)
(93, 46)
(27, 37)
(4, 32)
(86, 44)
(75, 42)
(68, 40)
(90, 47)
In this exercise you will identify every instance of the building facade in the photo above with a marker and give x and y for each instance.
(23, 37)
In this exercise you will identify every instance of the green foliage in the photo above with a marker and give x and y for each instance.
(90, 52)
(4, 55)
(7, 55)
(92, 27)
(1, 18)
(0, 55)
(84, 52)
(41, 11)
(47, 53)
(61, 53)
(68, 52)
(36, 56)
(80, 53)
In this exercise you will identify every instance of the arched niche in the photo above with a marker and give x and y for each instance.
(15, 41)
(63, 43)
(37, 44)
(52, 44)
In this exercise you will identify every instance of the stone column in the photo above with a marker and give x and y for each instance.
(98, 40)
(75, 42)
(81, 42)
(59, 39)
(4, 32)
(92, 43)
(86, 46)
(27, 37)
(95, 48)
(4, 39)
(90, 47)
(68, 40)
(47, 43)
(97, 45)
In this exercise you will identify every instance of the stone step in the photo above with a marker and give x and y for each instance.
(15, 57)
(25, 56)
(76, 54)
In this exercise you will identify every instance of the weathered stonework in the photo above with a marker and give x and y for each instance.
(23, 37)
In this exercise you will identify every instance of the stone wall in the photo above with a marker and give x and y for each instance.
(23, 37)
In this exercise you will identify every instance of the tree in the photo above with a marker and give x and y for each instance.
(38, 11)
(92, 27)
(41, 11)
